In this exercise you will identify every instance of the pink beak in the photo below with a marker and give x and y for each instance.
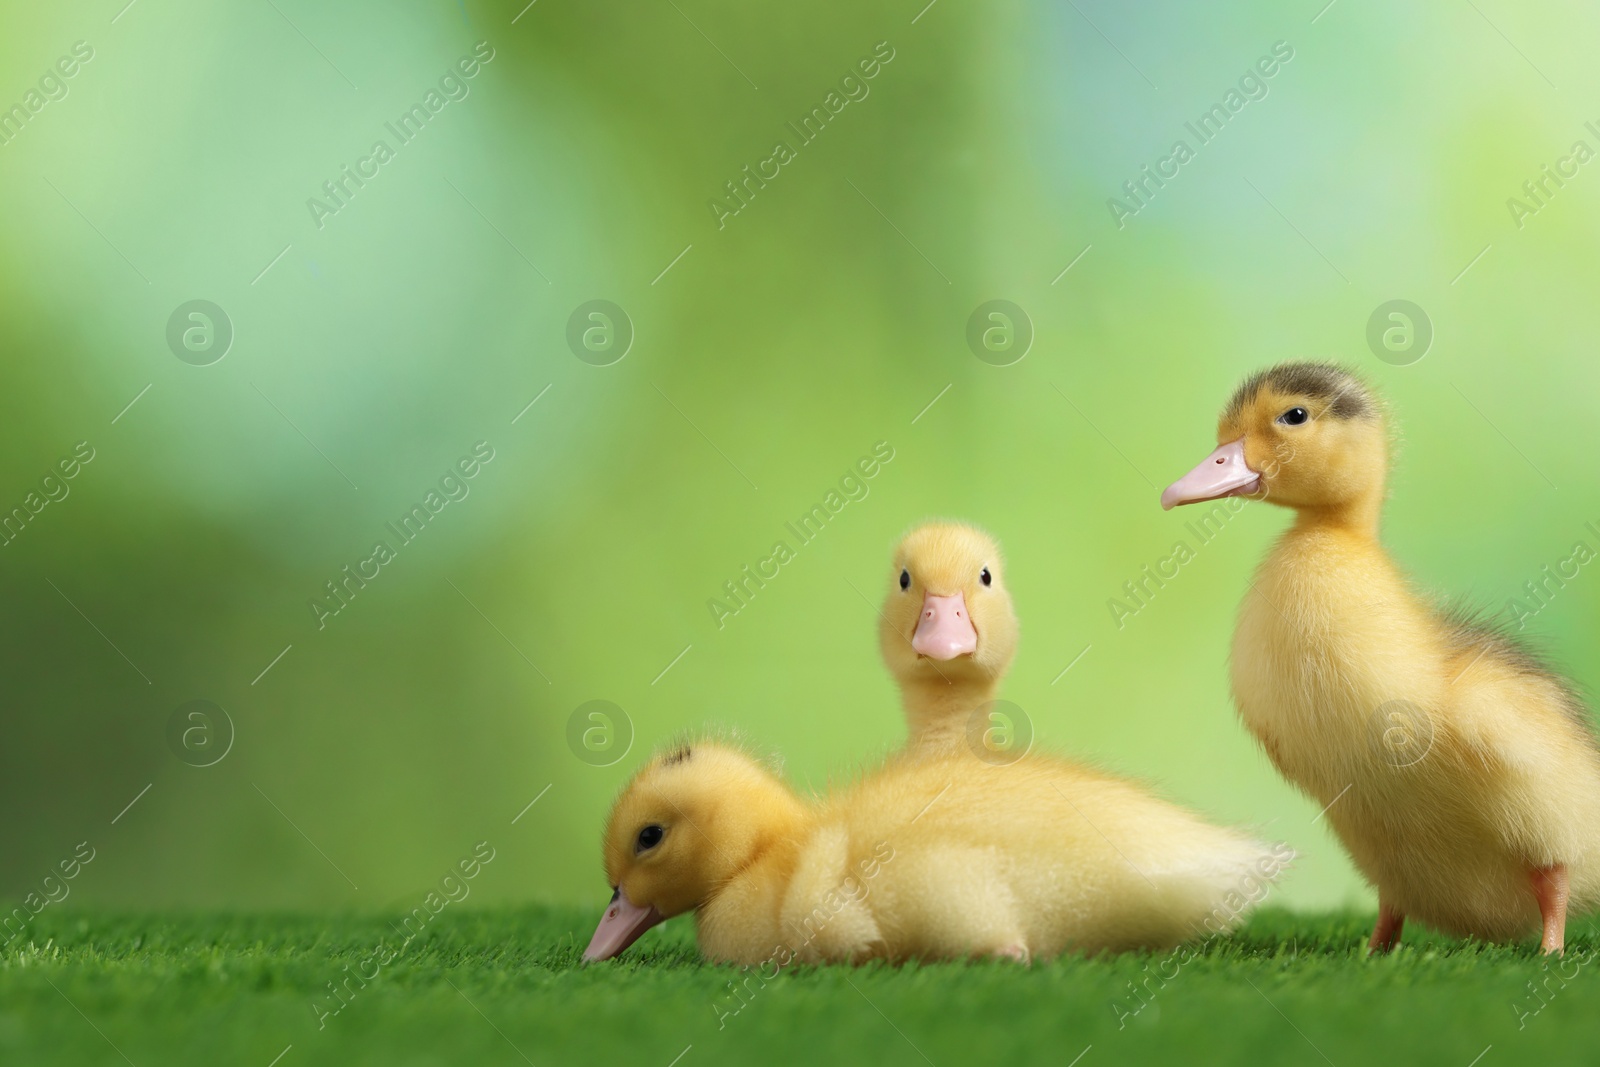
(1223, 473)
(945, 629)
(620, 927)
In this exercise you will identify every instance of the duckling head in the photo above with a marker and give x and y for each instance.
(1304, 435)
(947, 614)
(688, 821)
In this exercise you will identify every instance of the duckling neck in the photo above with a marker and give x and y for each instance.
(938, 712)
(1359, 517)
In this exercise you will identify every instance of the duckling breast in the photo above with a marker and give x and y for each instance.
(1329, 647)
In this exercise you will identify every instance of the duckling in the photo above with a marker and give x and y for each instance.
(947, 630)
(940, 857)
(1462, 775)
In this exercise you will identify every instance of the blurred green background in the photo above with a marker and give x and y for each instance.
(371, 353)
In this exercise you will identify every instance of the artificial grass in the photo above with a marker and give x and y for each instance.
(506, 987)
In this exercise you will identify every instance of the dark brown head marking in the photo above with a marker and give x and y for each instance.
(677, 755)
(1347, 397)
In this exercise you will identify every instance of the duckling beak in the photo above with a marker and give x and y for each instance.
(945, 629)
(620, 927)
(1223, 473)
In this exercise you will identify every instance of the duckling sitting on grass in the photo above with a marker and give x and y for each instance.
(947, 632)
(1462, 774)
(938, 857)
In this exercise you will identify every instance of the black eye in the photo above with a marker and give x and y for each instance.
(986, 578)
(1294, 416)
(905, 579)
(649, 838)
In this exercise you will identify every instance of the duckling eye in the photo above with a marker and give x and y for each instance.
(649, 838)
(905, 579)
(985, 577)
(1294, 416)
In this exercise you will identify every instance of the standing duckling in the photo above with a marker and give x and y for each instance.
(942, 857)
(947, 630)
(1462, 774)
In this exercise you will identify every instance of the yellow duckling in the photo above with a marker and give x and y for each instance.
(947, 630)
(941, 857)
(1462, 775)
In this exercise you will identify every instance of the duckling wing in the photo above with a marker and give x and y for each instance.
(1046, 852)
(1473, 638)
(825, 916)
(1148, 872)
(1526, 764)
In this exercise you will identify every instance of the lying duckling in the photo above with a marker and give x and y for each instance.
(947, 630)
(943, 857)
(1462, 775)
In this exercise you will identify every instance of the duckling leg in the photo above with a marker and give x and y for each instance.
(1550, 890)
(1386, 934)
